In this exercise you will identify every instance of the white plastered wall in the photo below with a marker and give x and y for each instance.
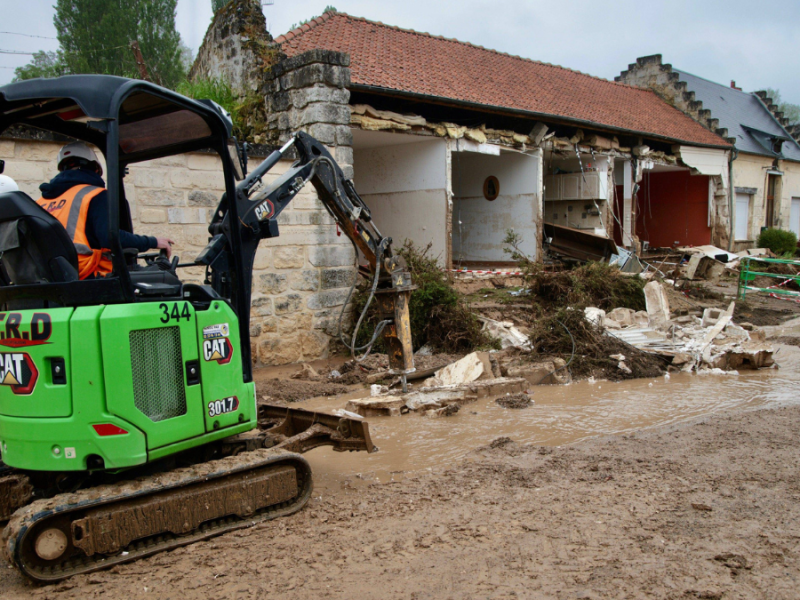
(623, 175)
(750, 171)
(405, 186)
(479, 225)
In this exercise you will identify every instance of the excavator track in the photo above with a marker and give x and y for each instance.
(96, 528)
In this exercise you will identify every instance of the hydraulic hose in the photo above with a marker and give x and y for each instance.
(379, 327)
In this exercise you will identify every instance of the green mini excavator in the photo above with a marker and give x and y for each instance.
(128, 415)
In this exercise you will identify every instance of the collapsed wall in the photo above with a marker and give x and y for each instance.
(237, 47)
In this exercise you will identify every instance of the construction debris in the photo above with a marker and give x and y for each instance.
(521, 400)
(381, 406)
(470, 368)
(545, 372)
(430, 400)
(306, 372)
(447, 411)
(657, 304)
(507, 333)
(692, 343)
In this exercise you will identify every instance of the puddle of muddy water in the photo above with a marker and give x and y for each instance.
(561, 415)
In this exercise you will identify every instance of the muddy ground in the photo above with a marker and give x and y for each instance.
(702, 510)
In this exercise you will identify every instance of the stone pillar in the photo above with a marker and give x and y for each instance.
(303, 276)
(309, 92)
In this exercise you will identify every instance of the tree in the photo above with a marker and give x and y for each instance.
(216, 5)
(43, 64)
(160, 41)
(789, 110)
(95, 37)
(187, 57)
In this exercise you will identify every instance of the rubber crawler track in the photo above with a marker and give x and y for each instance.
(25, 519)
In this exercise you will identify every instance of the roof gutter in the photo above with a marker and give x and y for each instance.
(360, 87)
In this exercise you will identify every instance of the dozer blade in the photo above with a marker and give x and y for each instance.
(299, 430)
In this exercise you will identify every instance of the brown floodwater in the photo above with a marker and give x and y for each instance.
(561, 415)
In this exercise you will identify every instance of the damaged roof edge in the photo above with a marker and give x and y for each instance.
(360, 87)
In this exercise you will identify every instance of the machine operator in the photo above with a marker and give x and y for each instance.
(78, 199)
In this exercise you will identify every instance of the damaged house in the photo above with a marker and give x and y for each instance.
(765, 191)
(453, 144)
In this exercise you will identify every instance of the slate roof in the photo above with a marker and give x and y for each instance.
(403, 60)
(743, 114)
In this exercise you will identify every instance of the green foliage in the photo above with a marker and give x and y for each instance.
(216, 5)
(246, 112)
(95, 37)
(43, 64)
(789, 110)
(439, 316)
(187, 57)
(591, 284)
(217, 90)
(780, 241)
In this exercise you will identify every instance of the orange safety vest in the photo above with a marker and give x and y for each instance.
(71, 209)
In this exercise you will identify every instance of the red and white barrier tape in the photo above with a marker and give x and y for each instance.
(773, 294)
(488, 272)
(779, 297)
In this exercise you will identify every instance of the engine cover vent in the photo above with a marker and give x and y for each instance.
(157, 362)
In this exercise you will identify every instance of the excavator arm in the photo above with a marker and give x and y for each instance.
(259, 202)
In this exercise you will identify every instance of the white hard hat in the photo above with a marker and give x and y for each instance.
(7, 185)
(78, 150)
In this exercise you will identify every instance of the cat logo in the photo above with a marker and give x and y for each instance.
(18, 371)
(265, 210)
(219, 349)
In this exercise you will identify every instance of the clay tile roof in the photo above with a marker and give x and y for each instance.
(403, 60)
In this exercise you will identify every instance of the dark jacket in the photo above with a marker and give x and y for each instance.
(97, 218)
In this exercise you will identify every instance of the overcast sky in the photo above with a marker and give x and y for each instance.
(755, 44)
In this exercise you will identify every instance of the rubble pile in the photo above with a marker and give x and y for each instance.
(465, 381)
(690, 342)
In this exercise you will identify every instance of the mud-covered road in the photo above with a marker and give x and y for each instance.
(709, 509)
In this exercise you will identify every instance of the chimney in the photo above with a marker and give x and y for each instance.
(733, 85)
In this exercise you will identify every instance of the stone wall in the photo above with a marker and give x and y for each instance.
(301, 278)
(649, 72)
(236, 47)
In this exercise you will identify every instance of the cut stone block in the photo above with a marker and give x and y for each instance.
(542, 373)
(446, 411)
(430, 398)
(623, 316)
(470, 368)
(657, 304)
(711, 316)
(382, 406)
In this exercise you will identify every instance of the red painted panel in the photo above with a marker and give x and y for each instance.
(672, 209)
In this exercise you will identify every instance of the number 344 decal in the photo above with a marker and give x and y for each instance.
(174, 313)
(220, 407)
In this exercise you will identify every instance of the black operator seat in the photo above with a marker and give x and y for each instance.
(34, 246)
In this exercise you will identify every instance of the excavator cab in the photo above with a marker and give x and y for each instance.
(144, 370)
(115, 371)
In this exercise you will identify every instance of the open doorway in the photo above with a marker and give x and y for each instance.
(493, 193)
